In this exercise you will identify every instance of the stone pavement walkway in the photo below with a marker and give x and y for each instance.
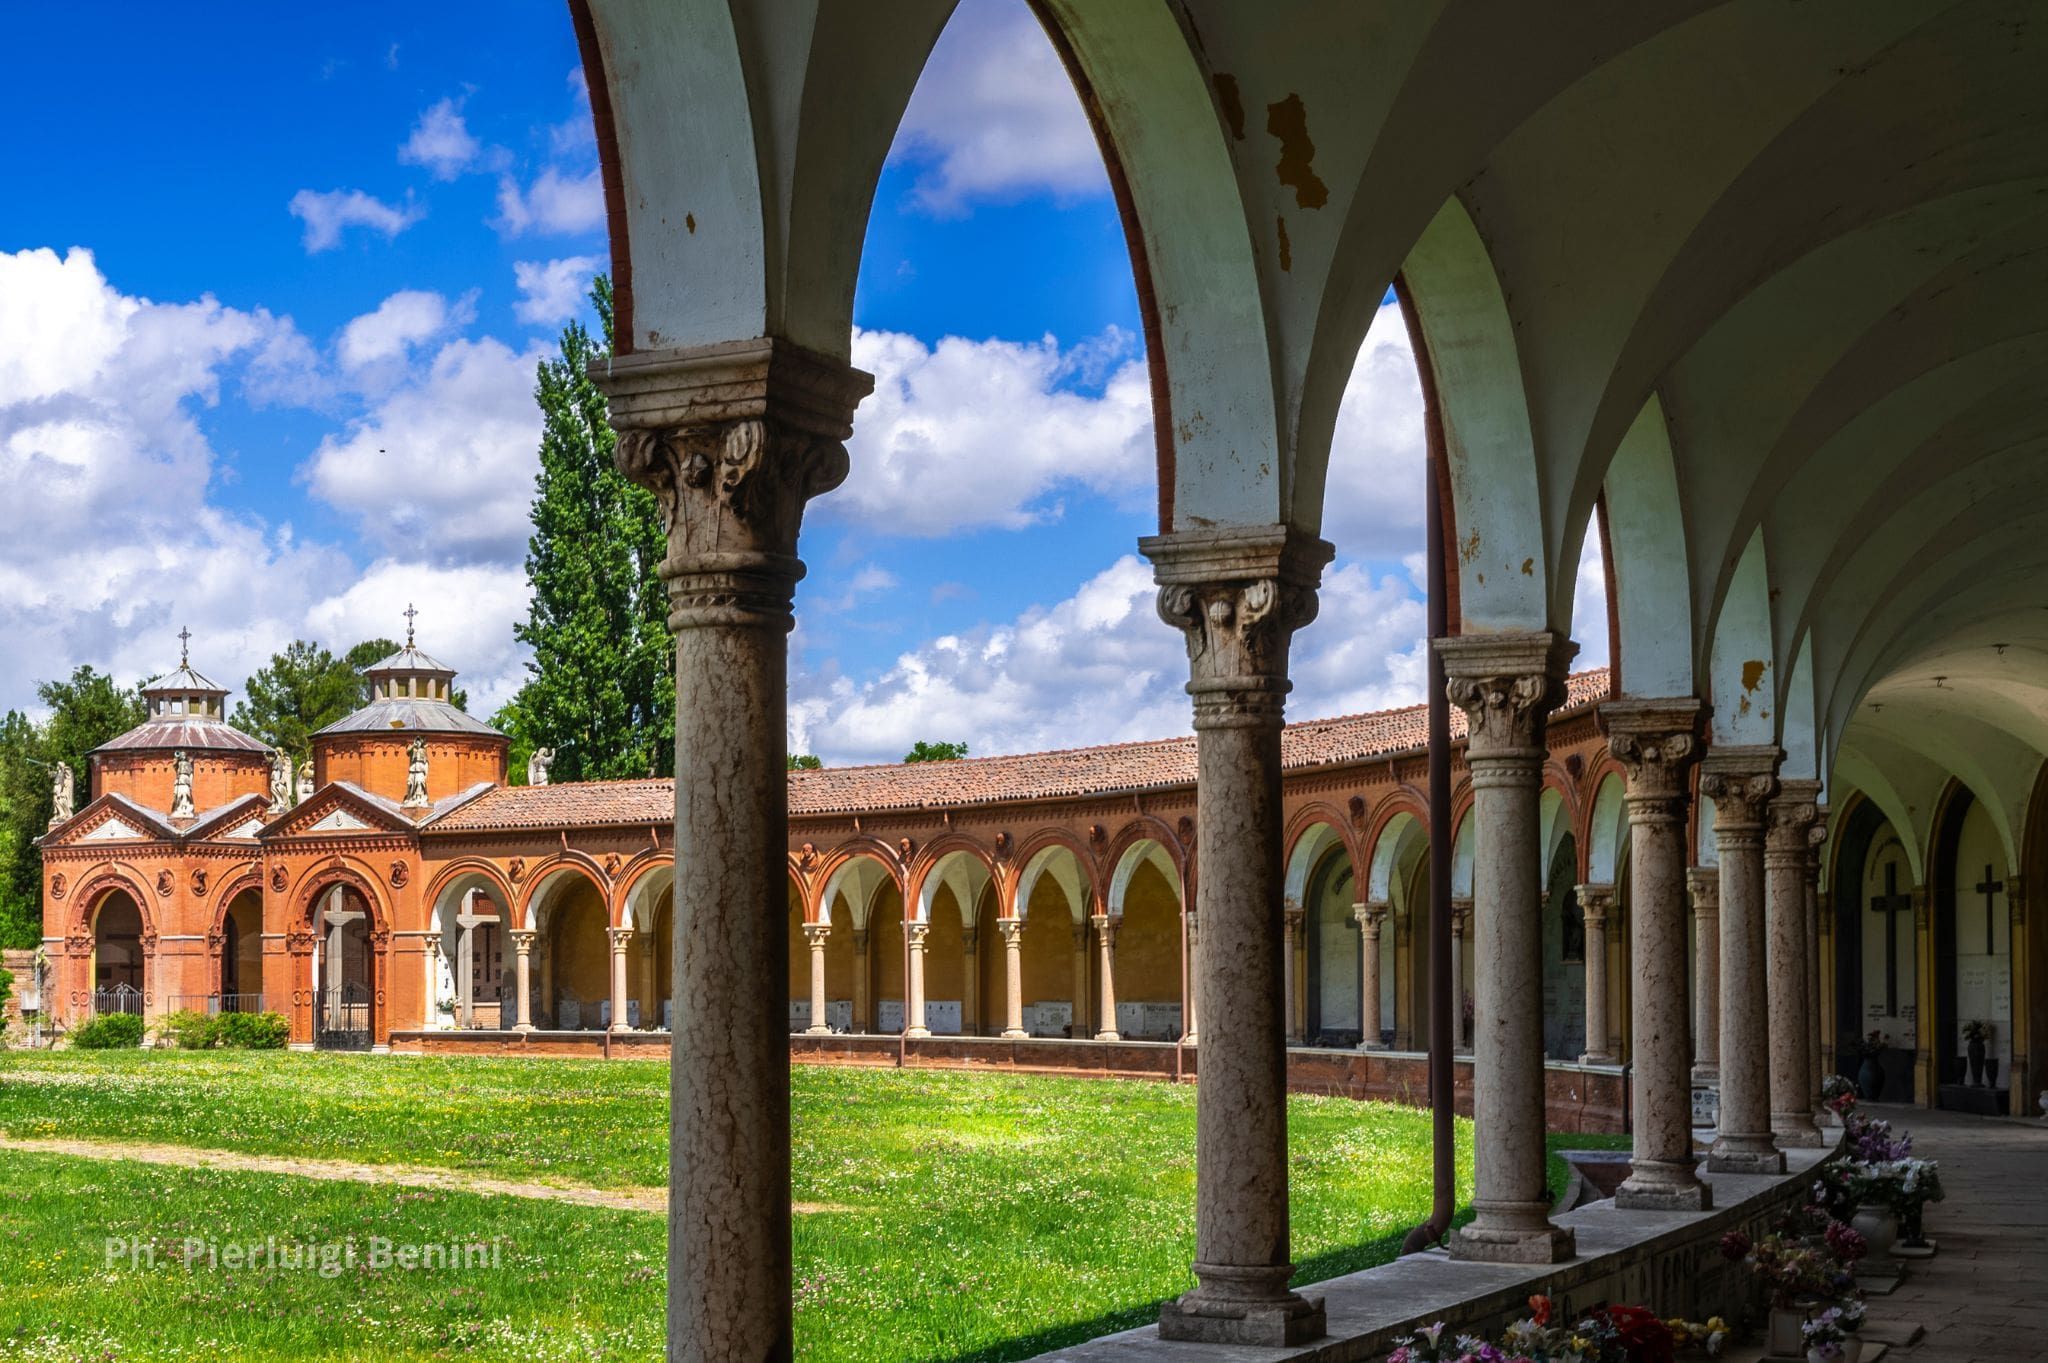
(1984, 1297)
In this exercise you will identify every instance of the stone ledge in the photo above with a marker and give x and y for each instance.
(1668, 1260)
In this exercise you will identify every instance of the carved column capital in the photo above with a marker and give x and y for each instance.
(1596, 902)
(1656, 742)
(1461, 915)
(1237, 595)
(1703, 884)
(1507, 685)
(917, 933)
(1790, 818)
(1292, 917)
(1740, 780)
(1371, 917)
(1106, 926)
(1012, 930)
(817, 934)
(732, 440)
(523, 939)
(621, 938)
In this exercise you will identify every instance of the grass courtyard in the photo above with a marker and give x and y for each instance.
(946, 1216)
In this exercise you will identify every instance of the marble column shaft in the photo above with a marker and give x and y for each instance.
(1656, 742)
(1371, 919)
(1105, 976)
(970, 983)
(1815, 1017)
(1012, 930)
(620, 938)
(1461, 931)
(733, 440)
(1596, 905)
(1741, 780)
(522, 978)
(1703, 886)
(913, 992)
(1238, 594)
(1507, 685)
(863, 968)
(1189, 1032)
(1788, 879)
(1291, 918)
(817, 934)
(1077, 1027)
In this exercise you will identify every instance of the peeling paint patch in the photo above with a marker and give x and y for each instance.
(1286, 249)
(1232, 103)
(690, 221)
(1288, 121)
(1528, 567)
(1753, 674)
(1469, 550)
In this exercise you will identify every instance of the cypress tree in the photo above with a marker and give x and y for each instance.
(601, 685)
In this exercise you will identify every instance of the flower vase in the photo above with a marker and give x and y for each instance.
(1991, 1071)
(1870, 1079)
(1976, 1064)
(1879, 1227)
(1783, 1335)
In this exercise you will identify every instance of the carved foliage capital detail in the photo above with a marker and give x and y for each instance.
(1655, 763)
(1738, 797)
(1508, 711)
(1237, 629)
(732, 486)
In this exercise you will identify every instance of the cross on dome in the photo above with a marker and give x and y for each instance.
(410, 615)
(184, 646)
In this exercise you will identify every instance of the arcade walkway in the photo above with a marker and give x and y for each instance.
(1984, 1297)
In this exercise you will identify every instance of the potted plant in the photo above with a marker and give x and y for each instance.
(1916, 1183)
(1838, 1095)
(1976, 1032)
(1800, 1279)
(1827, 1340)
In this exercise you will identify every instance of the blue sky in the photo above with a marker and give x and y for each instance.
(274, 280)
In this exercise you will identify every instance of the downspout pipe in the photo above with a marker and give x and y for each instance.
(1441, 1083)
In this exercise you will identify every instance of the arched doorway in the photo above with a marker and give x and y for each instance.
(344, 971)
(118, 963)
(470, 912)
(1053, 901)
(1876, 953)
(1972, 932)
(241, 954)
(572, 978)
(1564, 956)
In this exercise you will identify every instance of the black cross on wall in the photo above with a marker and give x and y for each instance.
(1891, 904)
(1988, 888)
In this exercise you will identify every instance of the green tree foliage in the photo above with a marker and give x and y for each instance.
(601, 690)
(85, 710)
(927, 751)
(803, 761)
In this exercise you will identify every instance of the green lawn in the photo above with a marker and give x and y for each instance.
(968, 1216)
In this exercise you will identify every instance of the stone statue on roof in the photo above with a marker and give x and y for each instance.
(537, 766)
(280, 782)
(181, 786)
(63, 793)
(305, 792)
(416, 776)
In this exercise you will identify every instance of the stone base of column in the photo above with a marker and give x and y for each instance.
(818, 1029)
(1514, 1235)
(1706, 1076)
(1598, 1058)
(1237, 1306)
(1015, 1034)
(1745, 1155)
(621, 1028)
(1795, 1130)
(918, 1033)
(525, 1027)
(1657, 1186)
(1373, 1045)
(1108, 1036)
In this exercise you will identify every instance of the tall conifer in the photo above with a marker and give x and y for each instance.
(601, 690)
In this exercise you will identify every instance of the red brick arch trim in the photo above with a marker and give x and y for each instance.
(937, 850)
(87, 899)
(829, 863)
(325, 877)
(630, 875)
(481, 867)
(1321, 812)
(570, 862)
(1146, 828)
(1091, 870)
(1383, 818)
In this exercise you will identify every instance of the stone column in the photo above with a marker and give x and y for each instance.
(621, 939)
(1370, 917)
(1291, 917)
(1787, 859)
(1740, 781)
(1704, 885)
(1816, 1015)
(863, 1015)
(913, 989)
(733, 439)
(1596, 902)
(1189, 1034)
(1461, 927)
(970, 984)
(1507, 685)
(817, 934)
(522, 978)
(1013, 976)
(1105, 976)
(1656, 742)
(1078, 1026)
(1238, 594)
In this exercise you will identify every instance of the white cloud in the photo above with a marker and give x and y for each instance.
(995, 116)
(441, 141)
(554, 204)
(575, 135)
(398, 324)
(108, 471)
(1099, 667)
(1589, 603)
(465, 619)
(552, 291)
(327, 215)
(979, 433)
(445, 461)
(1373, 498)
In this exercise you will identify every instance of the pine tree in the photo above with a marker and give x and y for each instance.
(601, 690)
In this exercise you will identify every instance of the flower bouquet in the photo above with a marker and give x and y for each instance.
(1612, 1334)
(1830, 1337)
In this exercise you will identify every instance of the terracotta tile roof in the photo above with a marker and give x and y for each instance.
(975, 780)
(198, 733)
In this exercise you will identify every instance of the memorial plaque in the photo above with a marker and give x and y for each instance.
(839, 1015)
(799, 1014)
(1131, 1022)
(889, 1016)
(942, 1017)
